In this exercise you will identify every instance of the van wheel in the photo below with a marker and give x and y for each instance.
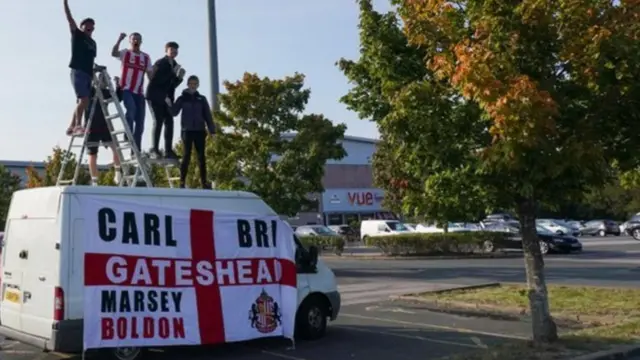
(126, 353)
(311, 318)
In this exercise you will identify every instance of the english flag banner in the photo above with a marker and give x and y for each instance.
(163, 276)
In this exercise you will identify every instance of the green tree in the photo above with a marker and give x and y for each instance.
(53, 164)
(517, 105)
(388, 65)
(250, 153)
(9, 183)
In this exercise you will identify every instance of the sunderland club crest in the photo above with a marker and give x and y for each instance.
(265, 314)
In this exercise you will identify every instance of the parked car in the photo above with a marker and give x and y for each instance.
(314, 230)
(411, 226)
(500, 217)
(500, 227)
(549, 242)
(451, 227)
(557, 227)
(600, 228)
(345, 231)
(381, 228)
(625, 226)
(489, 223)
(632, 227)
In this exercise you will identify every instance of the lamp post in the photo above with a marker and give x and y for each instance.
(213, 54)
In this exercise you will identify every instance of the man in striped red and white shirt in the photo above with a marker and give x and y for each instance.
(135, 64)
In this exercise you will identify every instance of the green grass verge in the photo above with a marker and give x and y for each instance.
(611, 317)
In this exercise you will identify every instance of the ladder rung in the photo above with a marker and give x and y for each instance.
(65, 182)
(118, 132)
(175, 178)
(112, 117)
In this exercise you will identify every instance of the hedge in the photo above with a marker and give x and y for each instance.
(425, 244)
(324, 243)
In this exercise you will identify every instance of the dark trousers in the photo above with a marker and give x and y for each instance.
(197, 140)
(162, 116)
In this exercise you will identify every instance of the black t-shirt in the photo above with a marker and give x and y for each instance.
(83, 51)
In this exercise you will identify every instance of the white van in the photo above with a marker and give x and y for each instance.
(381, 227)
(42, 260)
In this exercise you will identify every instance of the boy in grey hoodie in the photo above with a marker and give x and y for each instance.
(196, 122)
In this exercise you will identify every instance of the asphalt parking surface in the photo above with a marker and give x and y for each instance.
(377, 331)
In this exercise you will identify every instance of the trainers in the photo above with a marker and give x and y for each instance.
(171, 155)
(69, 131)
(155, 154)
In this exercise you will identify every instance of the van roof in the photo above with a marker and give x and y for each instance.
(116, 190)
(44, 202)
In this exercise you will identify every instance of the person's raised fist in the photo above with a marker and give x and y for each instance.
(122, 36)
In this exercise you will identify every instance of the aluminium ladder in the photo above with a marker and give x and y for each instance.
(133, 168)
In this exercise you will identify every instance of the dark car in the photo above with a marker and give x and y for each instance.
(632, 227)
(600, 228)
(549, 242)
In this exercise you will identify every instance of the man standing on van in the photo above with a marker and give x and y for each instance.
(135, 63)
(83, 54)
(167, 75)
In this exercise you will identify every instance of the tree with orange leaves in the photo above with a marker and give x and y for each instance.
(526, 103)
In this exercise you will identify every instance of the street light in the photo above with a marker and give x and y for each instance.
(213, 54)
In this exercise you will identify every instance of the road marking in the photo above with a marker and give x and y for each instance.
(282, 356)
(372, 292)
(383, 309)
(623, 261)
(476, 340)
(18, 352)
(439, 327)
(589, 243)
(412, 337)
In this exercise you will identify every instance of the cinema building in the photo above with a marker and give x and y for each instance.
(349, 191)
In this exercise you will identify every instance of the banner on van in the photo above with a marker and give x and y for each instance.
(161, 276)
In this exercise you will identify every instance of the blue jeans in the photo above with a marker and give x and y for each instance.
(135, 105)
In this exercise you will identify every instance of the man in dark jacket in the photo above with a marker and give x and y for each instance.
(167, 75)
(195, 121)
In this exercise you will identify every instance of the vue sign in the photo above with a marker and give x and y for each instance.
(361, 198)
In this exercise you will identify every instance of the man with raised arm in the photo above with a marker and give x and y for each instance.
(135, 63)
(83, 54)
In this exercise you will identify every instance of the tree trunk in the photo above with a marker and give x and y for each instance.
(544, 328)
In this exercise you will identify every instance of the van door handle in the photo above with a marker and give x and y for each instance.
(42, 278)
(7, 273)
(27, 295)
(23, 254)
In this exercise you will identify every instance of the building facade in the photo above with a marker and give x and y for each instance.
(20, 167)
(349, 194)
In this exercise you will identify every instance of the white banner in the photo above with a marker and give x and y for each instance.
(161, 276)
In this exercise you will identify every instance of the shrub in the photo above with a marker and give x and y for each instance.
(425, 244)
(335, 243)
